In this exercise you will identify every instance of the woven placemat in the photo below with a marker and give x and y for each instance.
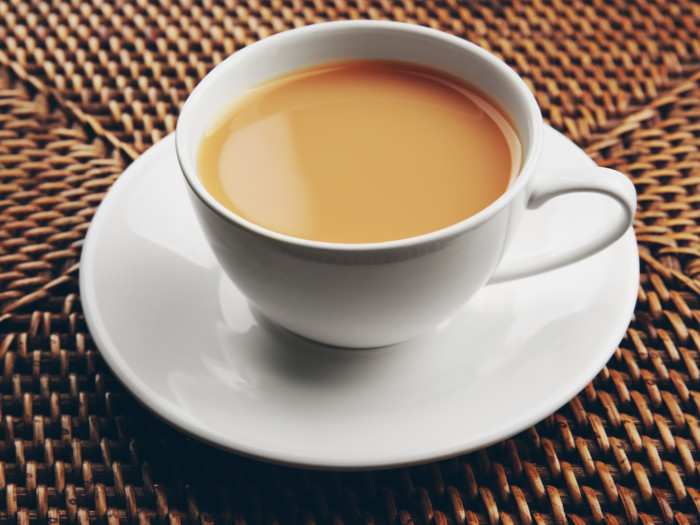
(84, 88)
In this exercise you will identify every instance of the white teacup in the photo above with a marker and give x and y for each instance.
(365, 295)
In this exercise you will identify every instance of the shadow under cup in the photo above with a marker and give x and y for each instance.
(358, 295)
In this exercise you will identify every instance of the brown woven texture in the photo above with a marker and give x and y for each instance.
(85, 87)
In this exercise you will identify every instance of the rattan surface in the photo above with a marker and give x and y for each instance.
(85, 87)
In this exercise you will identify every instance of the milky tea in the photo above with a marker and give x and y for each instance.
(359, 151)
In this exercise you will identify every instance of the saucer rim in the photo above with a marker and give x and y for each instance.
(162, 408)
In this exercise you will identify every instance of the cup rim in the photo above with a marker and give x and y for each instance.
(530, 156)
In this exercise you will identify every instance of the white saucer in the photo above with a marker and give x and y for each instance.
(181, 338)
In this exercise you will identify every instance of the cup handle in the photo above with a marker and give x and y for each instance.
(604, 181)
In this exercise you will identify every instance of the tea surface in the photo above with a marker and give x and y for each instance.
(359, 152)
